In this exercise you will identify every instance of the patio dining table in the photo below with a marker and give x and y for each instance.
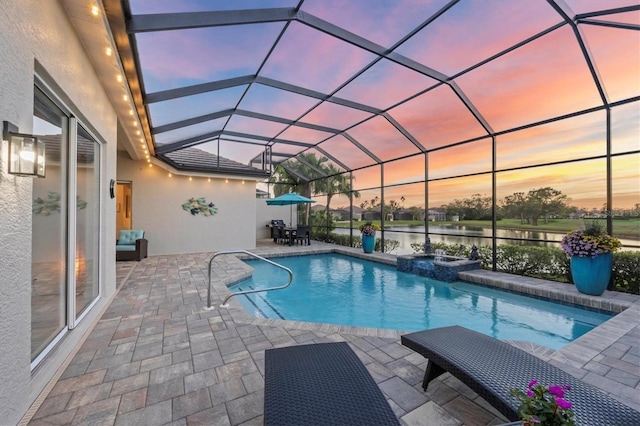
(291, 233)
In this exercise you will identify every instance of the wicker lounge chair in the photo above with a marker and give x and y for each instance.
(321, 384)
(491, 368)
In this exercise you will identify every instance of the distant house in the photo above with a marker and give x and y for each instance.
(371, 215)
(343, 213)
(437, 215)
(406, 214)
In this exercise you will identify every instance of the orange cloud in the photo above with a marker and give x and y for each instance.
(437, 118)
(383, 139)
(543, 79)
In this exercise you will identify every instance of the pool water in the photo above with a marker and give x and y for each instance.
(344, 290)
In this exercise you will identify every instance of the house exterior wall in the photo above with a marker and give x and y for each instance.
(37, 35)
(157, 209)
(265, 213)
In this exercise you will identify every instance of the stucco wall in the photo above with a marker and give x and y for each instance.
(35, 30)
(265, 213)
(157, 209)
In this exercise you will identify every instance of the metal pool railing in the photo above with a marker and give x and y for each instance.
(224, 302)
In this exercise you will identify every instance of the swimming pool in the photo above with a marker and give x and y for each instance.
(339, 289)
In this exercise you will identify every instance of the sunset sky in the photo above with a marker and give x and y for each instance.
(543, 79)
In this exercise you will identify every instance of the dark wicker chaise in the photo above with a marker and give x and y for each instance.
(491, 368)
(321, 384)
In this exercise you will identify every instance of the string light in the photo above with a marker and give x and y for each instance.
(209, 180)
(190, 178)
(108, 51)
(119, 78)
(95, 10)
(226, 181)
(170, 175)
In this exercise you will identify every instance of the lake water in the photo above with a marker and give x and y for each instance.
(467, 235)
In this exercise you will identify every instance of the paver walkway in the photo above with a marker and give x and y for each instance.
(158, 357)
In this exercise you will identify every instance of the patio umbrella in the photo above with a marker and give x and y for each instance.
(289, 200)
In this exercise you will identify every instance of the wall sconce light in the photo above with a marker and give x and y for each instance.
(26, 152)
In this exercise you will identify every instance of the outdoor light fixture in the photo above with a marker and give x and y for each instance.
(26, 152)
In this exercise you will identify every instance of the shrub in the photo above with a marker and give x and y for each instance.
(626, 271)
(549, 263)
(531, 261)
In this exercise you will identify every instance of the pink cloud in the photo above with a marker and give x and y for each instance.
(384, 23)
(302, 134)
(616, 58)
(385, 84)
(254, 126)
(472, 31)
(280, 103)
(540, 80)
(311, 59)
(333, 115)
(437, 118)
(205, 54)
(474, 157)
(342, 149)
(382, 139)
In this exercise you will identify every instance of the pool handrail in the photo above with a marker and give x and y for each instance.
(224, 302)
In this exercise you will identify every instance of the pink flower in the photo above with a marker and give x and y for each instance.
(533, 383)
(556, 390)
(562, 403)
(530, 394)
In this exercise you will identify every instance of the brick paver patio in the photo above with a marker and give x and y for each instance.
(158, 357)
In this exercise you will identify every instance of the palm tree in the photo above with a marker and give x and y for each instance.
(336, 182)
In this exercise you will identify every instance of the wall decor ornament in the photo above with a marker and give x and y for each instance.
(199, 205)
(52, 204)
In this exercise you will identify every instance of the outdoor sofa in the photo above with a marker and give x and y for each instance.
(131, 245)
(321, 384)
(491, 368)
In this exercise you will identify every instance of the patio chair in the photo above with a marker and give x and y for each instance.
(131, 245)
(491, 368)
(303, 233)
(275, 223)
(282, 236)
(321, 384)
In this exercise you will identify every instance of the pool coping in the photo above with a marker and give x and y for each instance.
(576, 358)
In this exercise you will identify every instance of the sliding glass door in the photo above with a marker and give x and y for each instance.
(65, 226)
(87, 220)
(49, 228)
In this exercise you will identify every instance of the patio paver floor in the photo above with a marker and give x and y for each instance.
(157, 357)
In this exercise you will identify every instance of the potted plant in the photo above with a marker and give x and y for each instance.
(368, 231)
(591, 252)
(544, 406)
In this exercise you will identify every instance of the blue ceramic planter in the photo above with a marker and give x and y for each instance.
(591, 275)
(368, 243)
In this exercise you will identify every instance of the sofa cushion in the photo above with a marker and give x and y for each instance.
(129, 236)
(126, 247)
